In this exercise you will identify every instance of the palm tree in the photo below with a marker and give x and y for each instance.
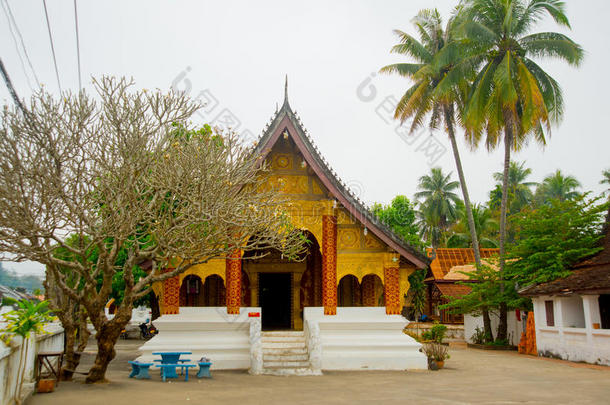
(485, 225)
(421, 99)
(512, 98)
(557, 186)
(430, 229)
(606, 179)
(437, 197)
(519, 190)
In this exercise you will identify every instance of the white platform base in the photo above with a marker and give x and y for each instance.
(204, 331)
(362, 338)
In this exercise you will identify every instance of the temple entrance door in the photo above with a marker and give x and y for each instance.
(274, 299)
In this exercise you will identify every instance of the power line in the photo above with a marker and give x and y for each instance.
(80, 86)
(46, 13)
(10, 27)
(10, 87)
(25, 52)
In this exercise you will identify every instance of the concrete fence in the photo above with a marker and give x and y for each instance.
(51, 341)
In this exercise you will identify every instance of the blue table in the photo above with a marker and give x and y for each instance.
(169, 358)
(168, 370)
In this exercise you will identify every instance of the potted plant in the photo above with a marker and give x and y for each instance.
(437, 354)
(29, 317)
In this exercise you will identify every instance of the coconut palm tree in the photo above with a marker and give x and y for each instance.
(512, 98)
(437, 197)
(485, 226)
(519, 190)
(557, 186)
(421, 100)
(606, 179)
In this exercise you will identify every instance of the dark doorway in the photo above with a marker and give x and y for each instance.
(274, 298)
(604, 310)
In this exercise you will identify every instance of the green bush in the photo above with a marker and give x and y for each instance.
(436, 333)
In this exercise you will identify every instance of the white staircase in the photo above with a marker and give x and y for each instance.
(285, 353)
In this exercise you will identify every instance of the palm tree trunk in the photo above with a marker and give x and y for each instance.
(508, 141)
(460, 170)
(468, 206)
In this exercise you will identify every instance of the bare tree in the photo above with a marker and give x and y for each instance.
(125, 172)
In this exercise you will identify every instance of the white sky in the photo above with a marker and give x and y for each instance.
(239, 51)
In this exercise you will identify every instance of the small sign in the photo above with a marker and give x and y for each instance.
(254, 314)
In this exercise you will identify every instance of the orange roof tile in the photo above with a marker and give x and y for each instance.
(447, 258)
(453, 290)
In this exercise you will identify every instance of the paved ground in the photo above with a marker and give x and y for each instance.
(470, 376)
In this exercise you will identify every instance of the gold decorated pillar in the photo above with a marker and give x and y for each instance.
(171, 295)
(329, 264)
(233, 280)
(391, 284)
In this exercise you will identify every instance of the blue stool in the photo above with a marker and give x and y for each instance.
(139, 370)
(204, 370)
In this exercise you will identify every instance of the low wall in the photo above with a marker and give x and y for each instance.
(51, 341)
(454, 333)
(204, 331)
(361, 338)
(515, 327)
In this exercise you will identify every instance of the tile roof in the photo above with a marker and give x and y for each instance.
(453, 290)
(447, 258)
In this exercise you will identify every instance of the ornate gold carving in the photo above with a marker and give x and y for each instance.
(289, 184)
(316, 189)
(360, 264)
(371, 242)
(343, 217)
(204, 270)
(349, 238)
(282, 161)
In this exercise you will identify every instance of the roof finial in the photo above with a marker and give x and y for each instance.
(286, 91)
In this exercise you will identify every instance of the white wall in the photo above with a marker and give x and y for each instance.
(53, 340)
(205, 331)
(514, 327)
(581, 343)
(361, 338)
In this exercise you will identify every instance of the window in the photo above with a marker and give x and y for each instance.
(550, 315)
(604, 310)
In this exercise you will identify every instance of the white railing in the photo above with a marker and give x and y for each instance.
(51, 341)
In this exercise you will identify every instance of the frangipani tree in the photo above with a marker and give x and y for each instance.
(125, 172)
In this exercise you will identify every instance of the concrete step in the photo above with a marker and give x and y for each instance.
(282, 339)
(302, 350)
(283, 345)
(283, 333)
(290, 371)
(285, 357)
(285, 364)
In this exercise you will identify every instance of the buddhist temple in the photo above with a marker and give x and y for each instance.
(353, 280)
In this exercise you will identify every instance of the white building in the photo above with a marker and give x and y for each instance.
(572, 314)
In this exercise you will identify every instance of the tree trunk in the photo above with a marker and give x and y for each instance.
(69, 356)
(489, 335)
(106, 338)
(508, 141)
(460, 170)
(468, 206)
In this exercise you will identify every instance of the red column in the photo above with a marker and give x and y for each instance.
(233, 280)
(171, 295)
(392, 291)
(329, 264)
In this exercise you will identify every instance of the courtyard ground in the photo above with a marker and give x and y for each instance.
(470, 376)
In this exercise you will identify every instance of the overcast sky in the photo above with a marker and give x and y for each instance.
(236, 54)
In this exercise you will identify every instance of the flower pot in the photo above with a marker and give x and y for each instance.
(440, 364)
(596, 326)
(46, 386)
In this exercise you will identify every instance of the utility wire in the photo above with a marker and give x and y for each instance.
(80, 86)
(10, 27)
(27, 56)
(46, 13)
(10, 87)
